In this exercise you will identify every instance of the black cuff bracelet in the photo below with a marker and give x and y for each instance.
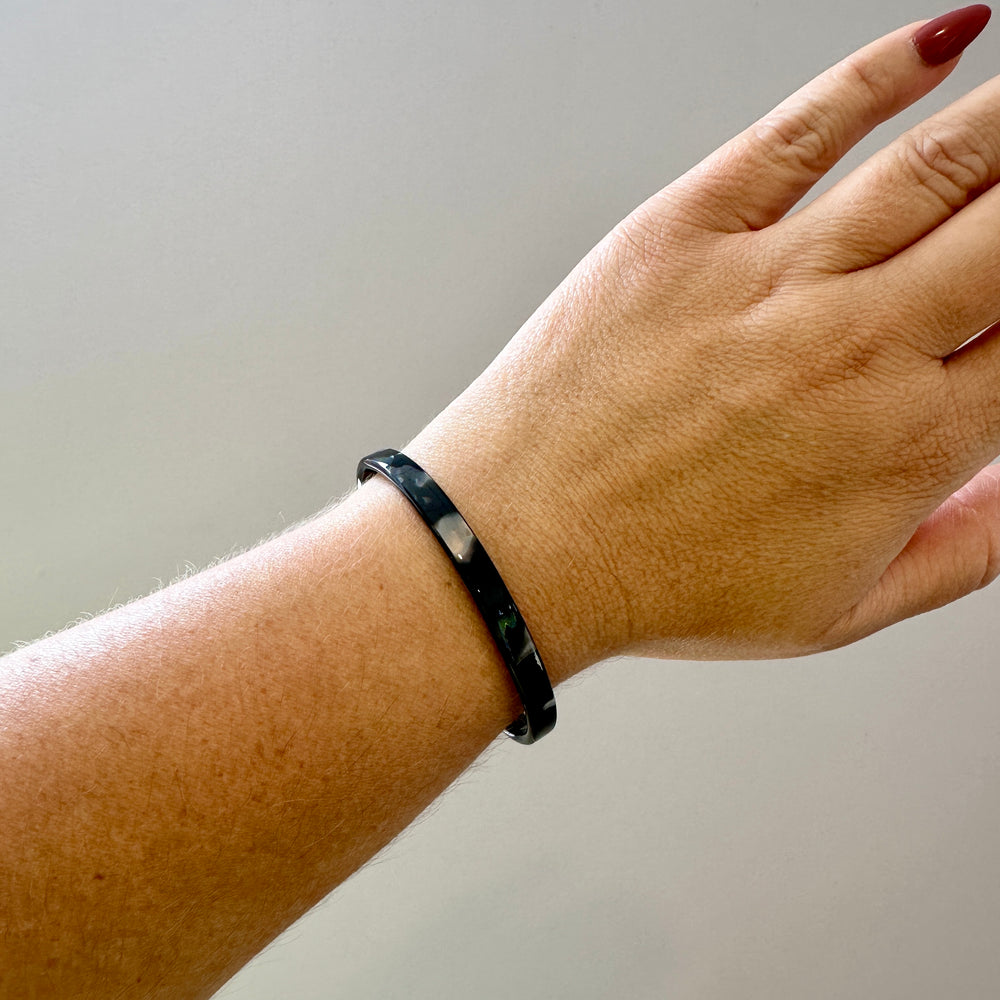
(480, 576)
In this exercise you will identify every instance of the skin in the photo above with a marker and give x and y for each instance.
(728, 433)
(762, 420)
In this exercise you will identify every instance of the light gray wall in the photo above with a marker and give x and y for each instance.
(245, 243)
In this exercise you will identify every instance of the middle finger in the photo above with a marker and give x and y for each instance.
(903, 192)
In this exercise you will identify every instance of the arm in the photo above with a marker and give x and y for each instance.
(253, 733)
(725, 434)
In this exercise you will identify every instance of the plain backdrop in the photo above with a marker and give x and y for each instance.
(244, 243)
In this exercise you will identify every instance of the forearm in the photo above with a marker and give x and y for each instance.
(727, 433)
(185, 776)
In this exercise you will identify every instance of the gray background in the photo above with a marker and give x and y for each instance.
(245, 243)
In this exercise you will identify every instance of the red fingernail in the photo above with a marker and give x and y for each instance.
(946, 36)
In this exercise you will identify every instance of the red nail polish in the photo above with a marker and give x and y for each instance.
(946, 36)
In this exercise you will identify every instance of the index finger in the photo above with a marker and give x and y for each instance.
(756, 177)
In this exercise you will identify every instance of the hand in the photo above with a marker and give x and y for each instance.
(733, 434)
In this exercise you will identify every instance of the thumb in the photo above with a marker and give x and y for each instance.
(954, 552)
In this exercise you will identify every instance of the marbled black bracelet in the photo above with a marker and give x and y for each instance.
(480, 576)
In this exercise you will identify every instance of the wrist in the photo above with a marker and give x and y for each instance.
(532, 532)
(413, 596)
(479, 576)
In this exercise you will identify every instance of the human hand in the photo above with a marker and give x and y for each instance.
(732, 434)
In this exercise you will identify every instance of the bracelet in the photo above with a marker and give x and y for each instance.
(480, 576)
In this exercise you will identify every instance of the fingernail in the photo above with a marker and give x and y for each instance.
(946, 36)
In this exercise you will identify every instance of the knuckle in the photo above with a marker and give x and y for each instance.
(640, 241)
(947, 163)
(803, 137)
(810, 133)
(872, 79)
(922, 447)
(652, 244)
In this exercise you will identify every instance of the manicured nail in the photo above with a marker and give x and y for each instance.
(946, 36)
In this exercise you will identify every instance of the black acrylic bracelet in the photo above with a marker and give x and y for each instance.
(480, 576)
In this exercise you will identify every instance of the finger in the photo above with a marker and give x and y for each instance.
(954, 552)
(973, 378)
(904, 191)
(753, 180)
(945, 288)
